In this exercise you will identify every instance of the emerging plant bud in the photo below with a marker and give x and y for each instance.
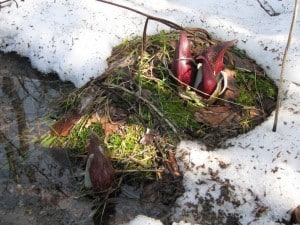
(215, 55)
(183, 66)
(210, 64)
(99, 171)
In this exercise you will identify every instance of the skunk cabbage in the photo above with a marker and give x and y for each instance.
(210, 64)
(183, 66)
(99, 171)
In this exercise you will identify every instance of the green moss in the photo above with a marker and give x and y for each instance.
(127, 151)
(267, 88)
(245, 98)
(179, 111)
(77, 139)
(240, 53)
(253, 87)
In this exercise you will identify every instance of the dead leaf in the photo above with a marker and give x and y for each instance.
(216, 116)
(148, 137)
(295, 217)
(173, 164)
(108, 126)
(117, 114)
(232, 91)
(65, 125)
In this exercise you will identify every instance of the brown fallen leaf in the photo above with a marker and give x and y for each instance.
(223, 165)
(108, 126)
(173, 163)
(260, 210)
(216, 116)
(117, 114)
(65, 125)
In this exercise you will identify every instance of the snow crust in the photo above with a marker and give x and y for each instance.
(73, 39)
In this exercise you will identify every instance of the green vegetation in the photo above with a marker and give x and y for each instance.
(254, 87)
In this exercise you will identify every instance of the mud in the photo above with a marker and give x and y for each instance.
(38, 185)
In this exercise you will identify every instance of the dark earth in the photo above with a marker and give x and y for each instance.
(38, 185)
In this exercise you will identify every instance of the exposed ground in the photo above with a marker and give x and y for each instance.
(140, 113)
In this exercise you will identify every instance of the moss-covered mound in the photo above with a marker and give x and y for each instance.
(140, 113)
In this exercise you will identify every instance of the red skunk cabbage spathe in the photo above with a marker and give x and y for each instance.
(215, 55)
(208, 81)
(99, 171)
(210, 64)
(183, 67)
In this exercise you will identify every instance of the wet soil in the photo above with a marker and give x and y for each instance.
(38, 184)
(45, 185)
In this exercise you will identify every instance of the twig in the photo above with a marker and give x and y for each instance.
(158, 19)
(6, 3)
(147, 102)
(268, 8)
(164, 21)
(280, 86)
(144, 37)
(139, 162)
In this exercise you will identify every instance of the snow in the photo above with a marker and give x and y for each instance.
(74, 38)
(141, 219)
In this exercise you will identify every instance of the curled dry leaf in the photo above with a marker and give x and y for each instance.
(65, 125)
(232, 91)
(172, 166)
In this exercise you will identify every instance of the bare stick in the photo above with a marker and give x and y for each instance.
(280, 86)
(166, 22)
(144, 37)
(268, 8)
(150, 17)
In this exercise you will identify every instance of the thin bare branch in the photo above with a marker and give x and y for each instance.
(158, 19)
(280, 86)
(146, 102)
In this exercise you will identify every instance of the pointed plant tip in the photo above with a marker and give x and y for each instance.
(233, 42)
(182, 66)
(228, 44)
